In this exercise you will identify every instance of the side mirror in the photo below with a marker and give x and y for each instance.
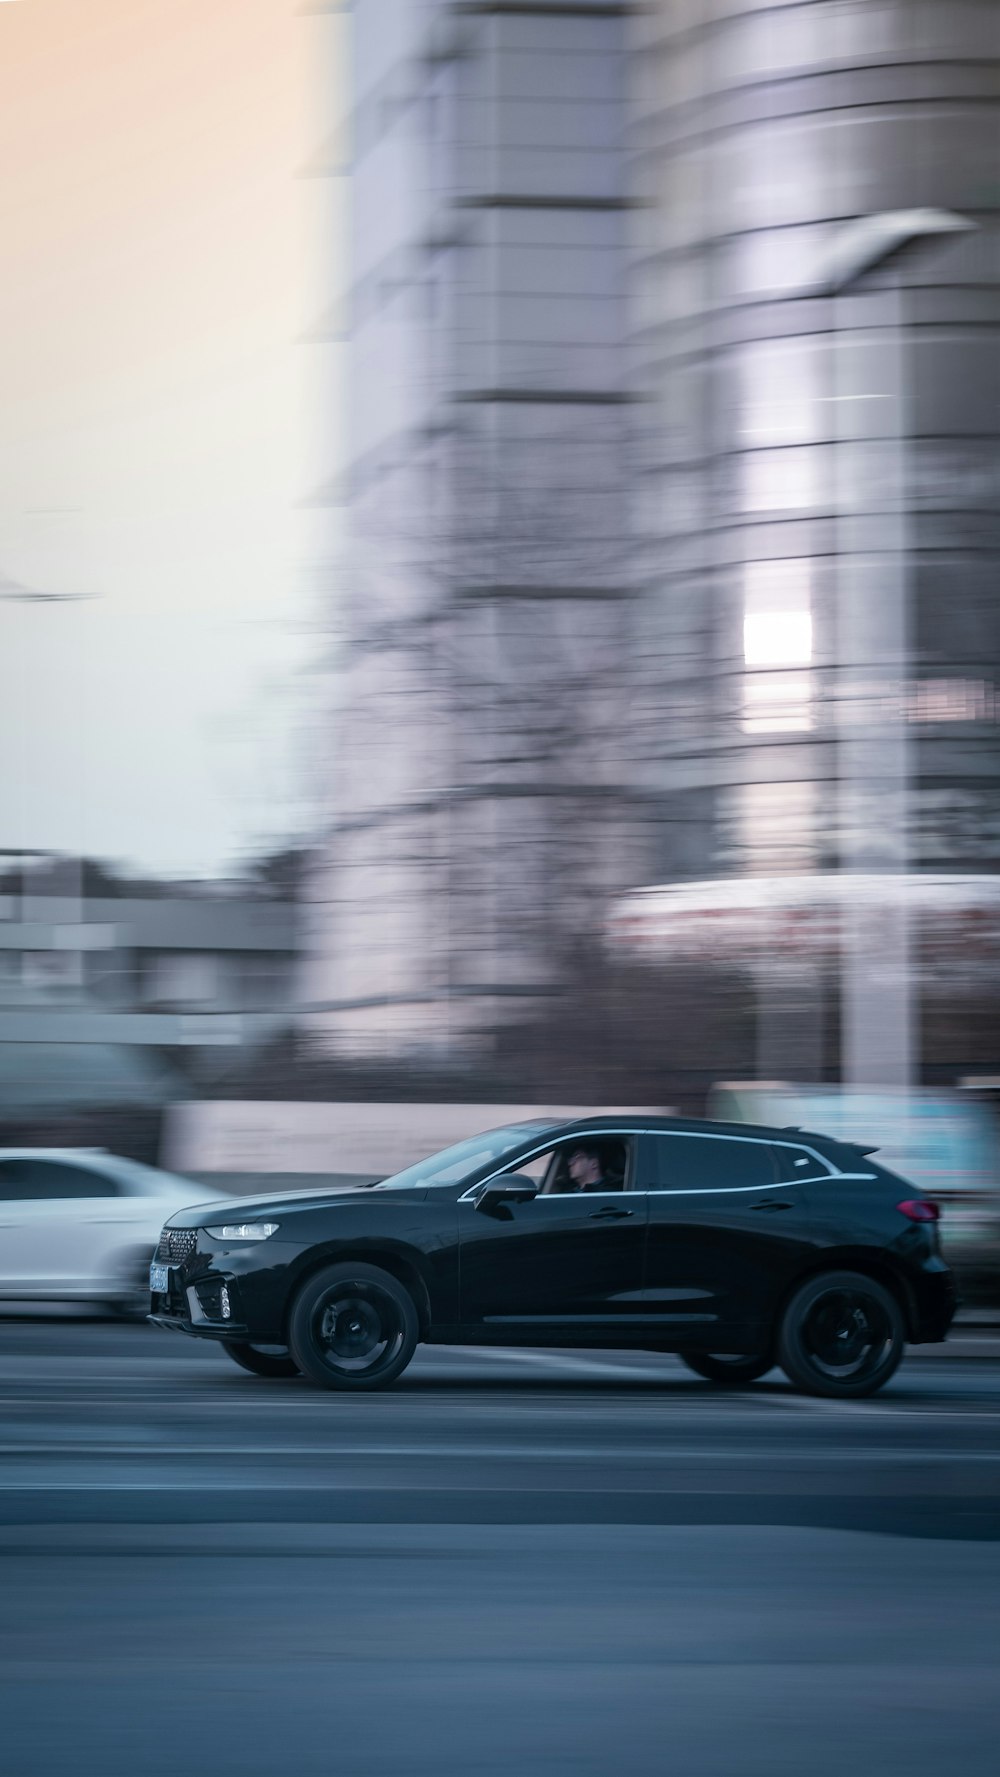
(514, 1187)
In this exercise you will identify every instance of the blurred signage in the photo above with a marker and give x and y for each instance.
(955, 919)
(947, 1143)
(943, 1141)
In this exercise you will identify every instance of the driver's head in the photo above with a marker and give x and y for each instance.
(584, 1165)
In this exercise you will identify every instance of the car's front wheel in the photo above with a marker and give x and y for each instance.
(842, 1335)
(718, 1367)
(353, 1327)
(259, 1362)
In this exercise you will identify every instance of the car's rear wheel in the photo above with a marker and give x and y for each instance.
(259, 1362)
(842, 1335)
(720, 1367)
(353, 1327)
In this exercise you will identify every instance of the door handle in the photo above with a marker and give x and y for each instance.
(773, 1203)
(610, 1215)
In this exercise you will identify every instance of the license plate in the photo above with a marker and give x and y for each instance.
(159, 1279)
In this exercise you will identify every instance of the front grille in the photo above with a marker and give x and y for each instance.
(177, 1245)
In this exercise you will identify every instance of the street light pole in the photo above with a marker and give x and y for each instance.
(878, 1037)
(15, 592)
(878, 1016)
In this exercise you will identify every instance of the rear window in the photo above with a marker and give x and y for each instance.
(711, 1162)
(799, 1163)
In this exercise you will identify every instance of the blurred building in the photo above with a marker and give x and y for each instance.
(820, 479)
(622, 471)
(482, 797)
(115, 993)
(801, 442)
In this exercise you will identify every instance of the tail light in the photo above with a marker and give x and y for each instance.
(919, 1209)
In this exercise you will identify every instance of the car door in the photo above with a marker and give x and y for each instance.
(727, 1233)
(57, 1221)
(559, 1269)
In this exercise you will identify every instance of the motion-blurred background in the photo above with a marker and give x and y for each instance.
(498, 573)
(499, 611)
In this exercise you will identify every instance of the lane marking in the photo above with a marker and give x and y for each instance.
(575, 1365)
(703, 1490)
(732, 1408)
(483, 1452)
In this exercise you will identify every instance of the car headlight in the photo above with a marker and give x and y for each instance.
(243, 1231)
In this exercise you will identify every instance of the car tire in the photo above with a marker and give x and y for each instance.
(258, 1362)
(716, 1367)
(842, 1336)
(353, 1327)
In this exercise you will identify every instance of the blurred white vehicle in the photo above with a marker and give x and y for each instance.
(80, 1225)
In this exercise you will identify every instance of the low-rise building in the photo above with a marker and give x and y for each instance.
(127, 994)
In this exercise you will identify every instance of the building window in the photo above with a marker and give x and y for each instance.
(777, 636)
(953, 700)
(180, 978)
(781, 387)
(799, 479)
(52, 970)
(770, 829)
(777, 703)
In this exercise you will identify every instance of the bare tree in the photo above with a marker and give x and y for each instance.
(485, 721)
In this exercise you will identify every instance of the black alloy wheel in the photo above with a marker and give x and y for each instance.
(842, 1336)
(717, 1366)
(258, 1361)
(353, 1327)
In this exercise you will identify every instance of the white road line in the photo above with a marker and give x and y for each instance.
(735, 1409)
(482, 1453)
(573, 1493)
(561, 1361)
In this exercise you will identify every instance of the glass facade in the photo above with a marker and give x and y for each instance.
(803, 453)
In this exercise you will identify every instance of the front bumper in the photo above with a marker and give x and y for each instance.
(200, 1299)
(213, 1276)
(220, 1329)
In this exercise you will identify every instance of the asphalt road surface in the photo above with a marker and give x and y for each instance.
(540, 1563)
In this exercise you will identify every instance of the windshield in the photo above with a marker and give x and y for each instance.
(146, 1181)
(451, 1165)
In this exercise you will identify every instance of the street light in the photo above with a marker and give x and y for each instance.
(871, 242)
(877, 1022)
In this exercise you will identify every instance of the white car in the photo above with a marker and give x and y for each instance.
(80, 1225)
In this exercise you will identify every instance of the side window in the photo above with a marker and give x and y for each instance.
(534, 1169)
(798, 1163)
(711, 1162)
(589, 1163)
(24, 1180)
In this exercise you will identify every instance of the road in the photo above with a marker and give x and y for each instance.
(533, 1563)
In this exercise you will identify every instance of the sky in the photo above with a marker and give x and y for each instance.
(161, 426)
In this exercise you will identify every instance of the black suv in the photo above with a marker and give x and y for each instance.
(735, 1247)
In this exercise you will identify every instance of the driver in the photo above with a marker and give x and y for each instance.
(586, 1170)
